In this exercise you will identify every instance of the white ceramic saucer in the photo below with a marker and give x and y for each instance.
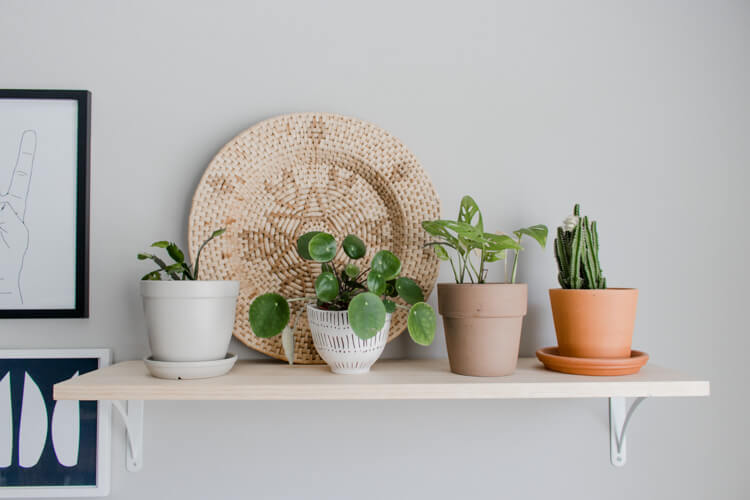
(183, 370)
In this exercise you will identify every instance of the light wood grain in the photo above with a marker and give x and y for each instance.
(389, 379)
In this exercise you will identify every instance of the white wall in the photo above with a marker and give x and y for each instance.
(638, 110)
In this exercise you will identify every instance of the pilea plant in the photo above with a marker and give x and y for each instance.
(367, 294)
(466, 239)
(577, 253)
(180, 269)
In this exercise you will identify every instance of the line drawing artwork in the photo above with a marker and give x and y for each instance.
(14, 235)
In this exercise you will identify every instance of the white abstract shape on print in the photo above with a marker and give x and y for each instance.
(33, 432)
(66, 430)
(6, 422)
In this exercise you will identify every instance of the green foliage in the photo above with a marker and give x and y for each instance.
(303, 242)
(376, 283)
(326, 287)
(351, 270)
(180, 269)
(322, 247)
(366, 315)
(409, 291)
(269, 314)
(366, 294)
(390, 306)
(386, 264)
(474, 248)
(353, 247)
(577, 253)
(421, 323)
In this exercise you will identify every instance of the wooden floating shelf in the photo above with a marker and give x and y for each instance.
(388, 379)
(128, 384)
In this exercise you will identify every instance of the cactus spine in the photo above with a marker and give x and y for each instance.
(577, 254)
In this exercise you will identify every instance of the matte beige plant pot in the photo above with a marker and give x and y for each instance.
(594, 323)
(483, 326)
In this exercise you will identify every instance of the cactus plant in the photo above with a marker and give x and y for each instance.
(577, 253)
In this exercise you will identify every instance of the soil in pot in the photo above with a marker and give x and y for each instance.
(482, 326)
(594, 323)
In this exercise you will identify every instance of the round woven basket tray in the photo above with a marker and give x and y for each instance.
(303, 172)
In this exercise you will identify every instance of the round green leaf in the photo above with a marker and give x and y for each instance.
(386, 264)
(322, 247)
(353, 247)
(351, 270)
(409, 290)
(376, 283)
(302, 244)
(269, 314)
(327, 287)
(421, 323)
(366, 315)
(390, 306)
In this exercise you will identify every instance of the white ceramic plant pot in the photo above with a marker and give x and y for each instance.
(189, 320)
(339, 346)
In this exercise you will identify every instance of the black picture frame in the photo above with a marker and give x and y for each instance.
(83, 99)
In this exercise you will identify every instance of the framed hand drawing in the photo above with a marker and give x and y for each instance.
(52, 448)
(44, 203)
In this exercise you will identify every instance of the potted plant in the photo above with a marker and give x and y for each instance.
(482, 320)
(591, 320)
(350, 314)
(187, 319)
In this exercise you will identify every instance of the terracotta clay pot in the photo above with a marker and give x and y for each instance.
(482, 326)
(594, 323)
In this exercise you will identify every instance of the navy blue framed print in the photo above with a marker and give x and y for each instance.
(51, 448)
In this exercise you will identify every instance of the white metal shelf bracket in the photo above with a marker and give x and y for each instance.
(131, 412)
(619, 418)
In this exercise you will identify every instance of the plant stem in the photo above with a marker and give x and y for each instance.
(455, 275)
(479, 277)
(462, 267)
(515, 263)
(362, 274)
(481, 267)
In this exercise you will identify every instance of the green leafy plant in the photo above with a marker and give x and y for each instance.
(577, 253)
(472, 247)
(180, 269)
(367, 294)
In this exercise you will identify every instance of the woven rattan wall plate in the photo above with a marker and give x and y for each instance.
(303, 172)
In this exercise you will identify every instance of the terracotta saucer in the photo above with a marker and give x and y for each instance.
(591, 366)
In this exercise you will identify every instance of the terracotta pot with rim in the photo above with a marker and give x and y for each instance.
(594, 323)
(483, 326)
